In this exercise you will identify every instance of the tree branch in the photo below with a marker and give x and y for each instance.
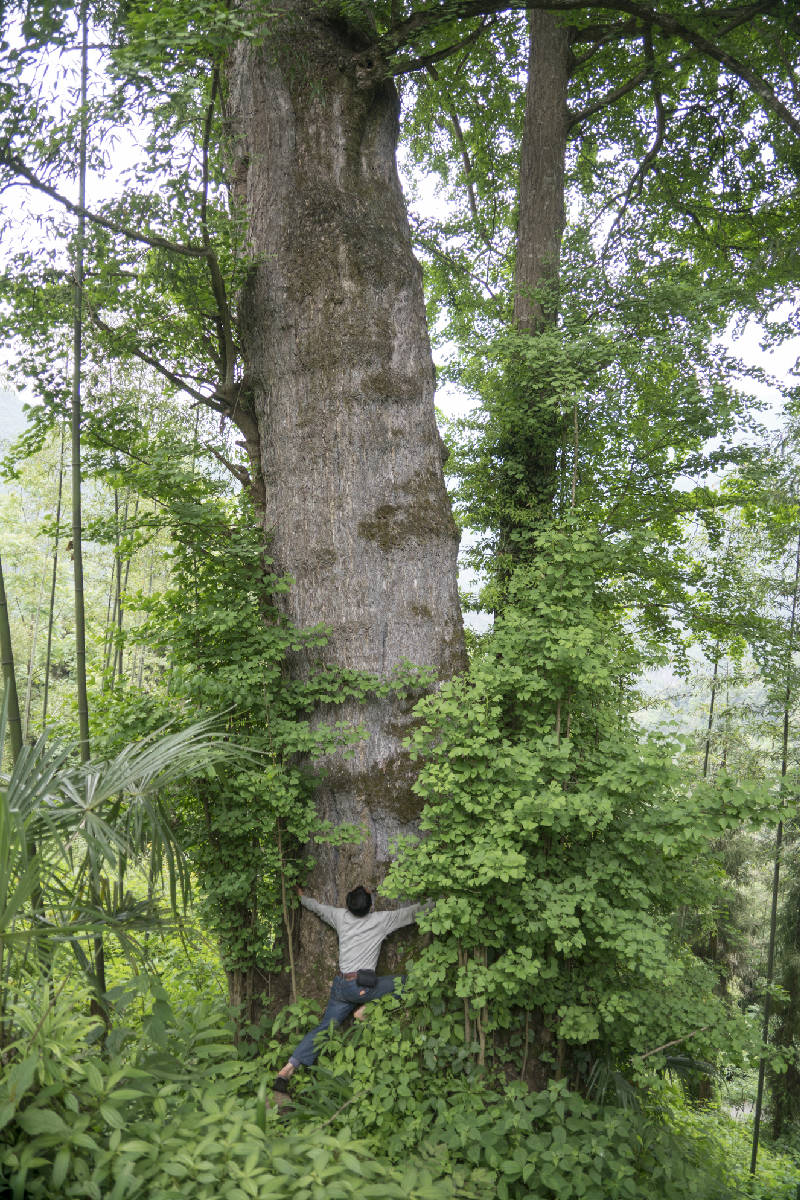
(693, 217)
(788, 66)
(637, 182)
(676, 28)
(466, 160)
(95, 432)
(154, 240)
(217, 401)
(422, 22)
(610, 97)
(674, 1042)
(90, 428)
(408, 65)
(222, 318)
(240, 473)
(739, 16)
(431, 244)
(597, 35)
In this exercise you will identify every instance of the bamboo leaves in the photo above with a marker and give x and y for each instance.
(91, 820)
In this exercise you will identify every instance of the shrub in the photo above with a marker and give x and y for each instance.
(427, 1099)
(173, 1113)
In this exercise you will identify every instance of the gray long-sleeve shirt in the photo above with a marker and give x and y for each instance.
(360, 938)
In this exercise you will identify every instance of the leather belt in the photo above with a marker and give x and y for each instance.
(348, 974)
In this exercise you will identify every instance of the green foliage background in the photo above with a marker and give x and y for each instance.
(584, 876)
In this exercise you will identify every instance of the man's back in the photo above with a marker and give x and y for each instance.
(360, 938)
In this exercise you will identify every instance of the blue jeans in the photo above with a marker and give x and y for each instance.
(346, 996)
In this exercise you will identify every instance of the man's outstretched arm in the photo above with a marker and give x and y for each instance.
(327, 912)
(398, 917)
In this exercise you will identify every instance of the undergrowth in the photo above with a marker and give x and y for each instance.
(171, 1106)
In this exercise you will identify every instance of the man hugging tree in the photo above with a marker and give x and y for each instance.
(361, 933)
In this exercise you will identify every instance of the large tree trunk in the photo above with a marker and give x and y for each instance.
(339, 381)
(530, 455)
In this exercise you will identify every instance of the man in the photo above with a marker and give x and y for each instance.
(361, 933)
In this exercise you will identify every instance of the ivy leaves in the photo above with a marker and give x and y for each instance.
(560, 843)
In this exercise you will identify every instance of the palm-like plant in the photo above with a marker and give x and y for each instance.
(63, 823)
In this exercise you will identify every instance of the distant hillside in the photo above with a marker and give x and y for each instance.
(12, 418)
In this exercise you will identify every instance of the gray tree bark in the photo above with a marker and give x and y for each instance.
(542, 211)
(338, 388)
(542, 216)
(527, 479)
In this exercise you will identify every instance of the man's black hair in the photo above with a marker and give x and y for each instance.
(359, 901)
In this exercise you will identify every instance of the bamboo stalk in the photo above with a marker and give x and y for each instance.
(15, 732)
(773, 920)
(481, 1016)
(48, 653)
(711, 712)
(116, 627)
(485, 1009)
(77, 362)
(462, 962)
(525, 1045)
(26, 723)
(724, 763)
(149, 593)
(111, 613)
(97, 1006)
(125, 578)
(574, 487)
(9, 676)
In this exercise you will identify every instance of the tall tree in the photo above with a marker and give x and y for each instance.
(53, 581)
(769, 497)
(339, 380)
(542, 175)
(323, 358)
(77, 367)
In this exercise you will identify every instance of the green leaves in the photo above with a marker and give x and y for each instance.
(492, 1137)
(42, 1121)
(57, 819)
(560, 842)
(120, 1124)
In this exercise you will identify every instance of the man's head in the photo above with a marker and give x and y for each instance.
(359, 901)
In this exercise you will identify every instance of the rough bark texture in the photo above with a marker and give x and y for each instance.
(340, 381)
(528, 448)
(542, 211)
